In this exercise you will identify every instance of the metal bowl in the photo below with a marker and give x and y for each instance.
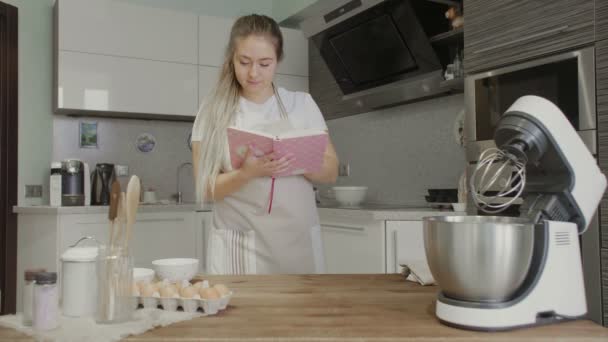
(478, 258)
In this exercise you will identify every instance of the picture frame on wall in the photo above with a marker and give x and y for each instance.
(88, 134)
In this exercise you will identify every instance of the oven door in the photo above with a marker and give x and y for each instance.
(567, 79)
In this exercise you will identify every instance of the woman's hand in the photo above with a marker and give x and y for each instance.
(264, 166)
(329, 171)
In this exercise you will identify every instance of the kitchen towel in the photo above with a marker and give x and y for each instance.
(418, 271)
(85, 328)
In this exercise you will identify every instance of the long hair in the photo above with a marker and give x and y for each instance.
(218, 110)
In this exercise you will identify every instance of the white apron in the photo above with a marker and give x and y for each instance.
(246, 239)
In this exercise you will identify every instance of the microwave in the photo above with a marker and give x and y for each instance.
(566, 79)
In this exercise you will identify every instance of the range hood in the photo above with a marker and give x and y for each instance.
(376, 50)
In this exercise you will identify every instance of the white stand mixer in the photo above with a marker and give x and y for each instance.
(563, 187)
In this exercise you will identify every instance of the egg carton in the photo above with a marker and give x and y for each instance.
(208, 306)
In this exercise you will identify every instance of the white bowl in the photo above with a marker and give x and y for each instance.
(177, 269)
(460, 206)
(143, 274)
(350, 195)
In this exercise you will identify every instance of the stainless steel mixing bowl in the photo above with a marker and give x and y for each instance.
(478, 258)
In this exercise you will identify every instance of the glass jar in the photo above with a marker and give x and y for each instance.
(45, 313)
(28, 294)
(115, 279)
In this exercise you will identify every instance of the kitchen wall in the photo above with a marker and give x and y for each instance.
(35, 82)
(402, 151)
(116, 144)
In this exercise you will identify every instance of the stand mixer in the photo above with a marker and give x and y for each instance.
(522, 271)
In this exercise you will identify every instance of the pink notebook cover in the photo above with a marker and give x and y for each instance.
(308, 149)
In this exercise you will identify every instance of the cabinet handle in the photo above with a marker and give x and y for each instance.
(137, 220)
(526, 38)
(161, 220)
(338, 226)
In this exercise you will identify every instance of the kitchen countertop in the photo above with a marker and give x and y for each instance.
(384, 212)
(338, 308)
(103, 209)
(367, 211)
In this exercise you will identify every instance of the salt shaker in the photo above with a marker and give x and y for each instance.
(28, 294)
(46, 301)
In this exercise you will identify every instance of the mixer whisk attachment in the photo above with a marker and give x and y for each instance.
(496, 165)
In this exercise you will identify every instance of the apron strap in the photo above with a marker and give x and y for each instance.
(282, 109)
(283, 113)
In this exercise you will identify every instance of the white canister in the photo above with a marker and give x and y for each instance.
(79, 281)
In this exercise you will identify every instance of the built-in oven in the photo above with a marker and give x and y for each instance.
(566, 79)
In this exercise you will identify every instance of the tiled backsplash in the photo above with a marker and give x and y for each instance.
(116, 144)
(402, 151)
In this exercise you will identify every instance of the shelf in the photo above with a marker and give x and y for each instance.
(450, 37)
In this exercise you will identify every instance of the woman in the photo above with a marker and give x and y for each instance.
(245, 238)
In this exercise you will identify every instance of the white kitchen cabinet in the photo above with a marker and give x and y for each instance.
(207, 79)
(213, 35)
(155, 235)
(404, 242)
(295, 48)
(119, 28)
(293, 83)
(43, 238)
(107, 83)
(203, 219)
(352, 246)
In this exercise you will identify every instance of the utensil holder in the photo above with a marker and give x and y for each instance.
(114, 280)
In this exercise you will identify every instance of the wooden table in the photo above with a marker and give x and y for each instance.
(338, 308)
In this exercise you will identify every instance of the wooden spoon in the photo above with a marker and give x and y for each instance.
(114, 198)
(133, 192)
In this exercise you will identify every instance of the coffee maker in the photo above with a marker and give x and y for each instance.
(75, 186)
(102, 178)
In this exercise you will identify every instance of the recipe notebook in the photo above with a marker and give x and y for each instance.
(307, 146)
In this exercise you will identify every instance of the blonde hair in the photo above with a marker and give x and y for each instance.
(218, 111)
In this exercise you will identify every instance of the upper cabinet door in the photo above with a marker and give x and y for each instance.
(500, 32)
(93, 82)
(213, 35)
(295, 48)
(293, 83)
(122, 29)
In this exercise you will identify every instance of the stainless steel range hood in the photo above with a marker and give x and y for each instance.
(342, 30)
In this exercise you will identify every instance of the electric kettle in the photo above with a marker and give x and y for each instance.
(101, 182)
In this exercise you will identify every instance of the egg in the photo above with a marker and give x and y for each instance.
(181, 284)
(162, 284)
(148, 290)
(135, 290)
(173, 287)
(168, 292)
(221, 289)
(141, 284)
(188, 292)
(198, 285)
(209, 293)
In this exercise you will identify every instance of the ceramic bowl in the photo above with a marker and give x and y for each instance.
(143, 274)
(350, 196)
(177, 269)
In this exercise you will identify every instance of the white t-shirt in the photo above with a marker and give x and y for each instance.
(302, 112)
